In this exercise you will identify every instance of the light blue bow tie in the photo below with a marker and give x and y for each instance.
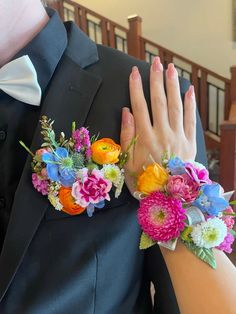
(18, 79)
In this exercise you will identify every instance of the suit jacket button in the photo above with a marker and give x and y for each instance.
(3, 135)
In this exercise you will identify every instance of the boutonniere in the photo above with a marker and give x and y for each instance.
(179, 201)
(77, 174)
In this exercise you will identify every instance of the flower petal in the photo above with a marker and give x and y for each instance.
(48, 157)
(52, 171)
(61, 152)
(100, 204)
(90, 210)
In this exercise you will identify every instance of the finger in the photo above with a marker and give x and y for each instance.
(138, 103)
(127, 133)
(175, 106)
(158, 95)
(190, 114)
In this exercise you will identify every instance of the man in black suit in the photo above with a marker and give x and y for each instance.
(51, 262)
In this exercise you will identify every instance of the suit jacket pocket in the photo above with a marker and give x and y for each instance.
(124, 198)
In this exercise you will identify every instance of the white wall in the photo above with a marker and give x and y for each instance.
(200, 30)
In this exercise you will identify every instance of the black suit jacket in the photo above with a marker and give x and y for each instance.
(54, 263)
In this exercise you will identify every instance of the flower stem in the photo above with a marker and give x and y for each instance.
(26, 148)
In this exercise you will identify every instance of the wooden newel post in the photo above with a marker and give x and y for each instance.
(232, 94)
(233, 84)
(228, 155)
(58, 5)
(134, 34)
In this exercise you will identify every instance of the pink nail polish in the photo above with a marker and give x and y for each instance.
(171, 71)
(156, 65)
(191, 92)
(135, 73)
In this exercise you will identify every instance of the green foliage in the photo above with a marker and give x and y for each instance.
(232, 232)
(145, 241)
(204, 254)
(78, 160)
(48, 133)
(124, 156)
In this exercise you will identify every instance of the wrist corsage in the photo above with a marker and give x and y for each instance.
(77, 174)
(178, 201)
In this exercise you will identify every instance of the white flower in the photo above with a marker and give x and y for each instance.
(112, 173)
(120, 184)
(209, 233)
(54, 200)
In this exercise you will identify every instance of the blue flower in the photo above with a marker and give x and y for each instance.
(60, 166)
(91, 207)
(176, 166)
(210, 200)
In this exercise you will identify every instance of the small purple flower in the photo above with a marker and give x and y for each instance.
(210, 201)
(60, 166)
(82, 141)
(39, 184)
(227, 243)
(176, 166)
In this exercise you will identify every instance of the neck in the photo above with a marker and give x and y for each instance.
(20, 22)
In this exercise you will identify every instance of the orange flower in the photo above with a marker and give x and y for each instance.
(152, 179)
(68, 202)
(105, 151)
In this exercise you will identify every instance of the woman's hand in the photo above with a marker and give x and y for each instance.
(174, 126)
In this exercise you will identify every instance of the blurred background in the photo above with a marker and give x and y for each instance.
(198, 36)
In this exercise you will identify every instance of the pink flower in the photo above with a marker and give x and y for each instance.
(161, 217)
(183, 188)
(44, 174)
(228, 220)
(201, 176)
(82, 141)
(42, 151)
(91, 188)
(227, 243)
(39, 184)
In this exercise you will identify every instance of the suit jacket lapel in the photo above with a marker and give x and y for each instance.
(67, 100)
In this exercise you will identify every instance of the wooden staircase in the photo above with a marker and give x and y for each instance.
(216, 95)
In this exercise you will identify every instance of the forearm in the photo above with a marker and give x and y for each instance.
(199, 288)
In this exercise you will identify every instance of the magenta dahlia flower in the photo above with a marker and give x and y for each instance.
(161, 217)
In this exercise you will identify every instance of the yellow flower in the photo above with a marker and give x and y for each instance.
(152, 179)
(105, 151)
(185, 234)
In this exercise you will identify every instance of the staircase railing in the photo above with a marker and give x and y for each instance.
(214, 93)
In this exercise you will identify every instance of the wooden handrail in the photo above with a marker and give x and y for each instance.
(227, 155)
(186, 60)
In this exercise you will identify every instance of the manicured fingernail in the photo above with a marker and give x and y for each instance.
(171, 71)
(191, 92)
(126, 117)
(156, 65)
(135, 73)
